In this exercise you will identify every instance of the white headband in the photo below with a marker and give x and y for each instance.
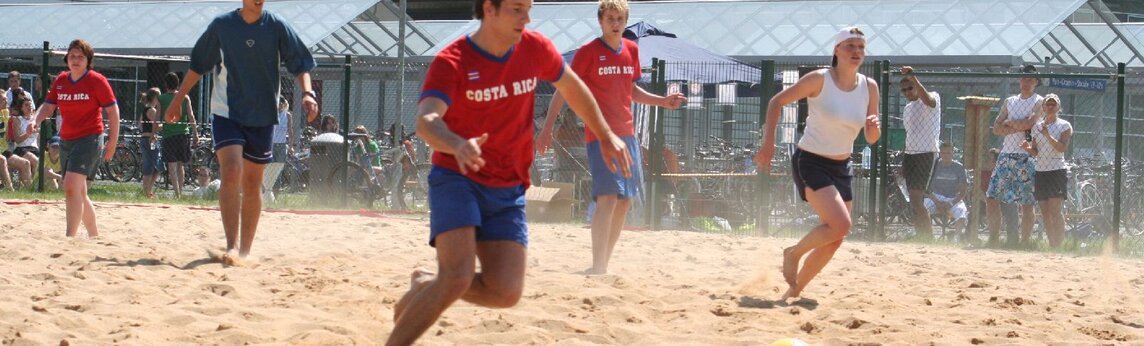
(845, 34)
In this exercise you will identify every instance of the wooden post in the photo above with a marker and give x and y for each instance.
(977, 125)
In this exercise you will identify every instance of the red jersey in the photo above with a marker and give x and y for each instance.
(81, 103)
(609, 74)
(494, 95)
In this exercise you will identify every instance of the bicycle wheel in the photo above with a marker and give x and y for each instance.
(124, 165)
(355, 182)
(413, 192)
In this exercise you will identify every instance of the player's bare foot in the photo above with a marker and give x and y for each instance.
(417, 282)
(790, 267)
(790, 293)
(594, 271)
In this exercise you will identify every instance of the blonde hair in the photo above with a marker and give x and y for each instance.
(618, 5)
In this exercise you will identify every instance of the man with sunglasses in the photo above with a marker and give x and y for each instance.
(922, 119)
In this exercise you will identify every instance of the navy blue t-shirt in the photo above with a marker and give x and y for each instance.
(245, 59)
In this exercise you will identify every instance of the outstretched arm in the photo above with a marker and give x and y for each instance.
(672, 101)
(809, 85)
(544, 139)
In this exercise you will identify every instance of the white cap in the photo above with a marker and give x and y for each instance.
(1053, 97)
(846, 34)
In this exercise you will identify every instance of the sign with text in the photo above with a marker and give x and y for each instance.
(1079, 84)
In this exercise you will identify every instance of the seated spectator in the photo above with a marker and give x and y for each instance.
(329, 124)
(948, 189)
(24, 137)
(53, 172)
(208, 189)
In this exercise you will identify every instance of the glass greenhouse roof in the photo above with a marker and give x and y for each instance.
(159, 28)
(805, 28)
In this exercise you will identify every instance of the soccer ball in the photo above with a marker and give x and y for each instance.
(789, 342)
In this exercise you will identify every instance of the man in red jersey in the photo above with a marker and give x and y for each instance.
(610, 67)
(476, 112)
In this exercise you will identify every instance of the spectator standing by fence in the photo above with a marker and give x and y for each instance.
(922, 120)
(149, 149)
(178, 137)
(1013, 175)
(1051, 138)
(82, 95)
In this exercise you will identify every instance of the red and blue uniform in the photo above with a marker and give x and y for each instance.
(609, 74)
(494, 95)
(81, 103)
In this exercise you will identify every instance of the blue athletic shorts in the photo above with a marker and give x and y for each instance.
(255, 141)
(604, 182)
(1013, 179)
(456, 201)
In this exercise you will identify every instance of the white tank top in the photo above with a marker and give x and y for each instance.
(1048, 158)
(1019, 109)
(835, 117)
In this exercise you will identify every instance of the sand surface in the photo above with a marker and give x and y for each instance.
(333, 280)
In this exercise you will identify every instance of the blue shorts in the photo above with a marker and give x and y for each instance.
(456, 201)
(1013, 179)
(255, 141)
(605, 182)
(150, 156)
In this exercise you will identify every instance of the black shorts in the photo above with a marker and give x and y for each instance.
(80, 155)
(1051, 184)
(816, 172)
(176, 148)
(20, 151)
(917, 169)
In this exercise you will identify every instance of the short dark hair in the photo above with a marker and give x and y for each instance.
(478, 7)
(1029, 68)
(83, 47)
(171, 81)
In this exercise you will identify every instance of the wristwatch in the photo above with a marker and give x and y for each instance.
(311, 94)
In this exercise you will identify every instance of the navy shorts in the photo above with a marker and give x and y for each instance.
(255, 141)
(605, 182)
(1051, 184)
(816, 172)
(456, 201)
(80, 155)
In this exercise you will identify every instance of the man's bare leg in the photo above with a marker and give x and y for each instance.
(922, 222)
(619, 218)
(601, 233)
(230, 164)
(251, 204)
(993, 216)
(1028, 218)
(456, 265)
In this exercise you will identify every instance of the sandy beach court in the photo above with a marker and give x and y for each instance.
(333, 280)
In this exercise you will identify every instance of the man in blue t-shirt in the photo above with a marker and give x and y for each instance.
(948, 188)
(243, 49)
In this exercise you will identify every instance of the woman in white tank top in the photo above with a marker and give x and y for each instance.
(1051, 138)
(841, 102)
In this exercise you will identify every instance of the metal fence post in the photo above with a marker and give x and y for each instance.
(345, 118)
(764, 178)
(1117, 183)
(655, 148)
(44, 85)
